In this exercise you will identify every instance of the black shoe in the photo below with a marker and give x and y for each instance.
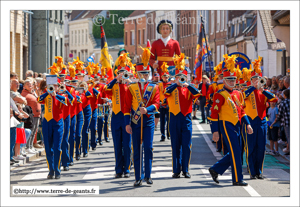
(107, 140)
(85, 154)
(195, 118)
(138, 183)
(176, 175)
(127, 175)
(219, 150)
(214, 175)
(15, 161)
(149, 181)
(77, 157)
(66, 168)
(168, 138)
(71, 163)
(288, 153)
(162, 140)
(260, 177)
(101, 143)
(93, 148)
(252, 177)
(50, 177)
(240, 183)
(118, 175)
(57, 176)
(202, 122)
(12, 162)
(187, 175)
(213, 141)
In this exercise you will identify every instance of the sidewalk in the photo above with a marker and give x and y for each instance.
(280, 148)
(29, 158)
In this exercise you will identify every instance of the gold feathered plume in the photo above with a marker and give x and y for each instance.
(103, 71)
(164, 67)
(78, 63)
(246, 74)
(54, 69)
(89, 69)
(230, 63)
(96, 68)
(238, 73)
(216, 77)
(179, 61)
(72, 70)
(256, 65)
(59, 63)
(123, 60)
(145, 56)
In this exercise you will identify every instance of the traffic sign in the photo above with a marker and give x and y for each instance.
(70, 55)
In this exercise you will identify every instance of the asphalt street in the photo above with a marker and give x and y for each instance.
(98, 170)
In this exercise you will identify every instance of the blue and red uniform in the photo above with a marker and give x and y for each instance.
(163, 111)
(225, 115)
(79, 125)
(94, 103)
(133, 98)
(53, 129)
(121, 139)
(180, 101)
(256, 104)
(87, 113)
(65, 158)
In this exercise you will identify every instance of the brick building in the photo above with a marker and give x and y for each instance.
(19, 42)
(135, 26)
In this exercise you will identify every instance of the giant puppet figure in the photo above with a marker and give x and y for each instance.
(164, 48)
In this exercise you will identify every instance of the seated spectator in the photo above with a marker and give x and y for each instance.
(273, 128)
(284, 115)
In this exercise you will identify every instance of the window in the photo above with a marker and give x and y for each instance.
(56, 48)
(61, 15)
(51, 51)
(75, 37)
(144, 36)
(25, 24)
(232, 31)
(55, 14)
(212, 22)
(243, 25)
(222, 20)
(79, 37)
(82, 36)
(226, 13)
(86, 37)
(71, 40)
(61, 47)
(139, 36)
(240, 28)
(218, 21)
(218, 54)
(50, 12)
(132, 37)
(125, 39)
(222, 52)
(248, 22)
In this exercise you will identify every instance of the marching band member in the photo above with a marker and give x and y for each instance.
(180, 97)
(100, 120)
(103, 79)
(155, 80)
(117, 89)
(164, 48)
(65, 159)
(164, 109)
(142, 99)
(53, 128)
(225, 116)
(256, 99)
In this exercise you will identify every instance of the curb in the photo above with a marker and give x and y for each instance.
(29, 158)
(281, 155)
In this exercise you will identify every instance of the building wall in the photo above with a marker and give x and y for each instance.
(80, 42)
(283, 33)
(19, 42)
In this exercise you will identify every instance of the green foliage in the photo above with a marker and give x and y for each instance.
(112, 28)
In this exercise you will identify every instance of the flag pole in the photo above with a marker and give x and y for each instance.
(206, 47)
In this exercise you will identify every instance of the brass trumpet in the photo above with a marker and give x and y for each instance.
(84, 85)
(182, 79)
(261, 82)
(50, 88)
(62, 88)
(125, 75)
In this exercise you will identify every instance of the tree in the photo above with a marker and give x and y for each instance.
(112, 28)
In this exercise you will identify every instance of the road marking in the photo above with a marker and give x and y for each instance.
(41, 173)
(109, 173)
(248, 188)
(276, 175)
